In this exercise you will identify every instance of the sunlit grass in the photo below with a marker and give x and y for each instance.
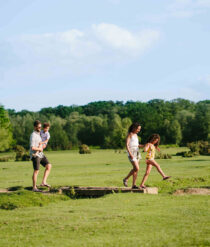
(114, 220)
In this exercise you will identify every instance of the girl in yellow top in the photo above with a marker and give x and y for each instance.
(150, 148)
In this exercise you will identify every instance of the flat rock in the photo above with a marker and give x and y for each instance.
(100, 191)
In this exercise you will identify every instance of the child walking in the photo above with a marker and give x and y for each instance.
(45, 136)
(132, 146)
(150, 148)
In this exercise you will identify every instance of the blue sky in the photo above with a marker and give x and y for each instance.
(75, 52)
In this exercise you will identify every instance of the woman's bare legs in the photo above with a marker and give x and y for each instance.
(133, 172)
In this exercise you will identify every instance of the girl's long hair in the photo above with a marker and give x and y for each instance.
(152, 138)
(133, 127)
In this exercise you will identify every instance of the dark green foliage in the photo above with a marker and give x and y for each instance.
(200, 147)
(21, 154)
(84, 149)
(6, 139)
(105, 123)
(196, 148)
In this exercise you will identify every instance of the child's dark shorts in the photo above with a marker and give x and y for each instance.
(37, 161)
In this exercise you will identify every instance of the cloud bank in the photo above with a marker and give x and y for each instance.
(76, 52)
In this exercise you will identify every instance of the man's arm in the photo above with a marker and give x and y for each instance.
(44, 142)
(32, 144)
(37, 149)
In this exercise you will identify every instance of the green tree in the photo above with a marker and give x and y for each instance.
(5, 130)
(201, 123)
(173, 134)
(59, 139)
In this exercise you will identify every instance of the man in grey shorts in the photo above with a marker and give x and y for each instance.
(40, 158)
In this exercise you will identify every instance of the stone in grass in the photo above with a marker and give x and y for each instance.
(84, 149)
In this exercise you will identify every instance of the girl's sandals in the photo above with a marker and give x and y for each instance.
(167, 177)
(45, 185)
(125, 182)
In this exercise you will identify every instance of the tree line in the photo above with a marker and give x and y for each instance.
(105, 123)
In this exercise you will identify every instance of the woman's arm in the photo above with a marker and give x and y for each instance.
(158, 149)
(127, 145)
(141, 146)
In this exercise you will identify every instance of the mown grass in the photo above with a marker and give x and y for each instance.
(112, 220)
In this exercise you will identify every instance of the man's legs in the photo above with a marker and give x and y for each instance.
(34, 178)
(36, 164)
(46, 174)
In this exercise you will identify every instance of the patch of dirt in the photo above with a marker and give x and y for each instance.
(193, 191)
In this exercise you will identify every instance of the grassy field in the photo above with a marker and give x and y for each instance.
(113, 220)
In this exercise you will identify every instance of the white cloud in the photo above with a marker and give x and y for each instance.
(123, 40)
(76, 52)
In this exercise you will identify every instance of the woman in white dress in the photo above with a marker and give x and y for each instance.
(132, 146)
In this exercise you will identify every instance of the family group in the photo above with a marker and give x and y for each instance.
(40, 137)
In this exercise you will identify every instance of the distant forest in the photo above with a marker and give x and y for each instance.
(105, 123)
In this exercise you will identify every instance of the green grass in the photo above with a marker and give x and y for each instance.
(22, 199)
(112, 220)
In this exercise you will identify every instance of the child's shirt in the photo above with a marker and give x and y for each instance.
(45, 135)
(150, 152)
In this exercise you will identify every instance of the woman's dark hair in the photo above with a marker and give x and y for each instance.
(153, 137)
(133, 127)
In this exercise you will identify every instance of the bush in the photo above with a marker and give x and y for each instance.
(204, 148)
(190, 154)
(21, 154)
(163, 156)
(25, 157)
(4, 159)
(84, 149)
(196, 148)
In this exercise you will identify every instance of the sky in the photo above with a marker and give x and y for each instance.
(71, 52)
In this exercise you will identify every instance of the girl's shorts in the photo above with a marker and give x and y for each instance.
(136, 155)
(150, 159)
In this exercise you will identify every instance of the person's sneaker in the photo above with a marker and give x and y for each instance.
(135, 187)
(125, 182)
(167, 177)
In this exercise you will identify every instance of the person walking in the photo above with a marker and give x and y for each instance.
(134, 156)
(40, 158)
(150, 148)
